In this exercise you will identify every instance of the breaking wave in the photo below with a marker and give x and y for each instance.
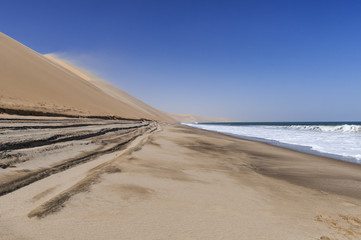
(340, 128)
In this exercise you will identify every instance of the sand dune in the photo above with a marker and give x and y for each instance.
(112, 91)
(30, 81)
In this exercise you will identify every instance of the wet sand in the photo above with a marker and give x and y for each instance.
(176, 182)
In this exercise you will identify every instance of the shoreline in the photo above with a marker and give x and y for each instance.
(295, 147)
(305, 155)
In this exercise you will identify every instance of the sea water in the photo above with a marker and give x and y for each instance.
(340, 140)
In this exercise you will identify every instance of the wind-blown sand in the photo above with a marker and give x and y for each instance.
(184, 183)
(135, 104)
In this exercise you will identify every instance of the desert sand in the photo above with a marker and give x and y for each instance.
(98, 163)
(142, 109)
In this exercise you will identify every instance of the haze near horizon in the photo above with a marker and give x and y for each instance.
(242, 60)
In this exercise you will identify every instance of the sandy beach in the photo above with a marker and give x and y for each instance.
(184, 183)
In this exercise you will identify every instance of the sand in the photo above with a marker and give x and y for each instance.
(35, 148)
(32, 83)
(120, 95)
(184, 183)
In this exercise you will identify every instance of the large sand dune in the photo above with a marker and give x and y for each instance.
(32, 82)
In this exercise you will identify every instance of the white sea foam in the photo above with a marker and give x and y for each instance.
(346, 128)
(342, 141)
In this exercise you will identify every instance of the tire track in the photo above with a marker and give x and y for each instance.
(43, 173)
(111, 136)
(58, 138)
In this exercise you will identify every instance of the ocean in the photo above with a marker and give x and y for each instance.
(339, 140)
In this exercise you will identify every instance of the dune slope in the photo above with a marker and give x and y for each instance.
(32, 82)
(111, 90)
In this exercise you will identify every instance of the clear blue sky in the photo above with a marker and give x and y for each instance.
(250, 60)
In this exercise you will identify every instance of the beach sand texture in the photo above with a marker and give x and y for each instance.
(183, 183)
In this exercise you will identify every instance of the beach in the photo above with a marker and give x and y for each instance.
(178, 182)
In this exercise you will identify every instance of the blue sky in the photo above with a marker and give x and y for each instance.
(293, 60)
